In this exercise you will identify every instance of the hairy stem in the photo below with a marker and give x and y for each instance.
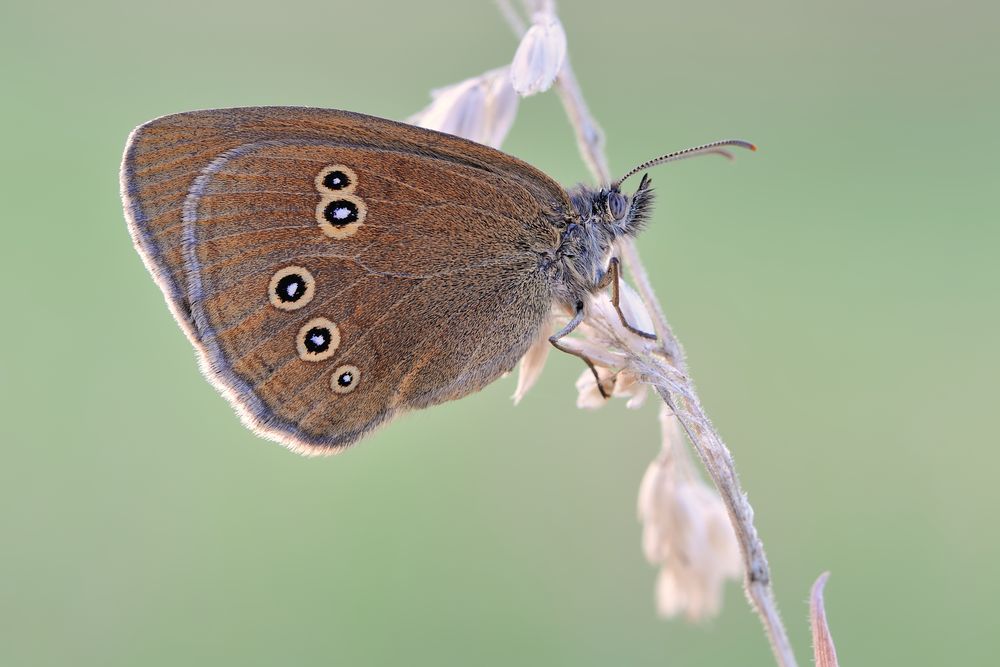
(678, 392)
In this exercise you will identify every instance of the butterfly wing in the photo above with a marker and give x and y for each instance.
(335, 269)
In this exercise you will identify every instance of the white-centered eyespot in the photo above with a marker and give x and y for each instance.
(337, 178)
(291, 288)
(318, 339)
(339, 215)
(345, 379)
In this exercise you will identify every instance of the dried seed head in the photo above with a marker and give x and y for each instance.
(481, 108)
(588, 396)
(623, 384)
(540, 55)
(501, 108)
(532, 364)
(686, 531)
(604, 325)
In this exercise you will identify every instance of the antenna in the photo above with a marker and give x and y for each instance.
(715, 147)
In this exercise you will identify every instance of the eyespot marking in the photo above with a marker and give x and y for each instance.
(339, 215)
(336, 178)
(318, 339)
(345, 379)
(291, 288)
(341, 212)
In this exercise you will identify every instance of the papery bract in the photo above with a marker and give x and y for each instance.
(539, 56)
(481, 109)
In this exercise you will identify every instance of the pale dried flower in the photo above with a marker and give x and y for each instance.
(605, 327)
(540, 55)
(686, 531)
(601, 355)
(628, 385)
(532, 364)
(481, 109)
(623, 384)
(601, 341)
(605, 340)
(588, 395)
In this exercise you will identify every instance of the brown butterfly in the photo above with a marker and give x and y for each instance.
(335, 269)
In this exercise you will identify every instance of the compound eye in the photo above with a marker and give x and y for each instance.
(617, 204)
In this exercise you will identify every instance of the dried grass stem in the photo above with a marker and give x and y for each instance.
(667, 373)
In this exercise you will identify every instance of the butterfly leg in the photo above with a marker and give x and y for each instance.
(612, 277)
(567, 330)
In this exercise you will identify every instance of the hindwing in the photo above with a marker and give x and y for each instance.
(335, 269)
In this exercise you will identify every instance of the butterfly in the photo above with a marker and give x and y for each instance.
(334, 270)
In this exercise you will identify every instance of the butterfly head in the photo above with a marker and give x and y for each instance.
(609, 213)
(606, 214)
(624, 214)
(602, 215)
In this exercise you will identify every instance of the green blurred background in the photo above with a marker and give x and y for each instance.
(836, 293)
